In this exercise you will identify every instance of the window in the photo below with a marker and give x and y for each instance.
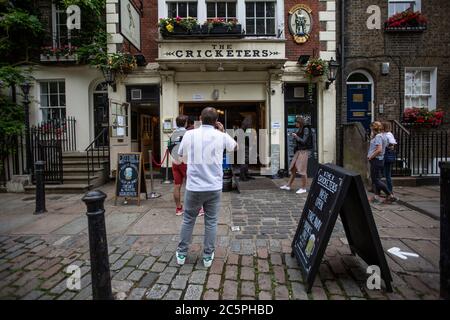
(260, 18)
(420, 88)
(396, 6)
(53, 99)
(182, 9)
(61, 35)
(222, 10)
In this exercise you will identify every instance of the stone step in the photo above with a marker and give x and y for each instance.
(80, 179)
(81, 171)
(415, 181)
(82, 163)
(61, 188)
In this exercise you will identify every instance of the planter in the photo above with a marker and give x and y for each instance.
(180, 31)
(236, 29)
(56, 58)
(405, 28)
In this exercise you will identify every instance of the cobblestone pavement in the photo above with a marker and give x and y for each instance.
(252, 263)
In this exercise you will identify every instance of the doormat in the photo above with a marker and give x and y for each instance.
(259, 183)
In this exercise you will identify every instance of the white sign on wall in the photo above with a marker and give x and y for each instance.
(130, 23)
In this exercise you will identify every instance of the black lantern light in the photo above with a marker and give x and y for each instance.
(26, 86)
(110, 77)
(332, 71)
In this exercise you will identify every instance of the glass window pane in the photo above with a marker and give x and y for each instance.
(211, 9)
(53, 100)
(62, 100)
(172, 10)
(260, 9)
(44, 87)
(260, 27)
(426, 76)
(63, 113)
(250, 9)
(182, 9)
(270, 26)
(231, 13)
(44, 100)
(408, 89)
(221, 9)
(250, 26)
(408, 77)
(62, 87)
(408, 102)
(45, 114)
(53, 87)
(270, 9)
(192, 9)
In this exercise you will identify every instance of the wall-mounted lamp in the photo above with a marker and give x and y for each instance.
(303, 59)
(110, 77)
(220, 68)
(215, 94)
(332, 71)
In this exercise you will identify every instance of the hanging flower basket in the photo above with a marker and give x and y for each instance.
(406, 21)
(314, 69)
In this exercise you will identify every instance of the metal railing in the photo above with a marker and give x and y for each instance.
(96, 152)
(419, 153)
(12, 157)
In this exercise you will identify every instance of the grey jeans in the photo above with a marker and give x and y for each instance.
(193, 201)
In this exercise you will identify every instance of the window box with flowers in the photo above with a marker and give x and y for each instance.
(219, 26)
(62, 54)
(315, 69)
(422, 117)
(406, 21)
(170, 27)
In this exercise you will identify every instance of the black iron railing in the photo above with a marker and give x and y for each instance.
(96, 153)
(419, 152)
(12, 157)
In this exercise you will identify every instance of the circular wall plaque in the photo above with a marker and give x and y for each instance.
(300, 23)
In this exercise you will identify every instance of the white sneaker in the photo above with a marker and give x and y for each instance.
(181, 259)
(285, 187)
(300, 191)
(207, 262)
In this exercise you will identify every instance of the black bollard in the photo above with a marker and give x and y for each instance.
(98, 246)
(444, 262)
(40, 187)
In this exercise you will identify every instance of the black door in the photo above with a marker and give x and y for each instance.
(297, 103)
(101, 115)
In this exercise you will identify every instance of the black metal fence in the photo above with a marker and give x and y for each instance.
(96, 153)
(48, 140)
(419, 152)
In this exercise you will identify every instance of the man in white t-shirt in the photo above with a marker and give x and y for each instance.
(202, 150)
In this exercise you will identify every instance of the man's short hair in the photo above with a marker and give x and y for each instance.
(181, 120)
(209, 116)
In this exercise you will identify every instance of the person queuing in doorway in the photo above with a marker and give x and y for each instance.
(178, 166)
(375, 156)
(243, 167)
(389, 154)
(299, 164)
(203, 150)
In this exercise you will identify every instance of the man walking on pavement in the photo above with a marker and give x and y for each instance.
(202, 150)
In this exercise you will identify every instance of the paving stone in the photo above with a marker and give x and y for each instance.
(263, 265)
(211, 295)
(275, 259)
(166, 257)
(157, 291)
(68, 295)
(173, 295)
(136, 294)
(294, 275)
(337, 297)
(84, 294)
(193, 292)
(198, 277)
(333, 287)
(148, 279)
(279, 275)
(264, 282)
(187, 269)
(350, 287)
(123, 273)
(265, 295)
(167, 276)
(233, 258)
(230, 289)
(217, 266)
(136, 275)
(180, 282)
(247, 288)
(247, 273)
(281, 293)
(298, 291)
(231, 272)
(147, 263)
(118, 264)
(158, 267)
(318, 293)
(213, 281)
(33, 295)
(247, 261)
(120, 285)
(135, 261)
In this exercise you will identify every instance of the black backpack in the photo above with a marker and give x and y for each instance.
(309, 142)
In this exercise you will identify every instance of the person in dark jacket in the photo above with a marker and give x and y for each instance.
(299, 163)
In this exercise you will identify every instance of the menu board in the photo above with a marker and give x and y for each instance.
(336, 191)
(130, 180)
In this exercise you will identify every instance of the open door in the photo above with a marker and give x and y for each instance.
(119, 124)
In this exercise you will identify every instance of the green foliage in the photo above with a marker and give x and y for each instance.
(94, 52)
(96, 6)
(11, 117)
(12, 76)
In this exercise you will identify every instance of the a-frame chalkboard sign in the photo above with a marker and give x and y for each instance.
(130, 178)
(337, 191)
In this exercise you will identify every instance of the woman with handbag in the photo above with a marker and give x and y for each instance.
(389, 154)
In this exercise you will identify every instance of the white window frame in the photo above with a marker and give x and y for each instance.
(181, 1)
(274, 17)
(48, 94)
(417, 5)
(56, 27)
(433, 87)
(163, 9)
(227, 17)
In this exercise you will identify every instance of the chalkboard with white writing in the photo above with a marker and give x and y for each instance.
(336, 191)
(130, 180)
